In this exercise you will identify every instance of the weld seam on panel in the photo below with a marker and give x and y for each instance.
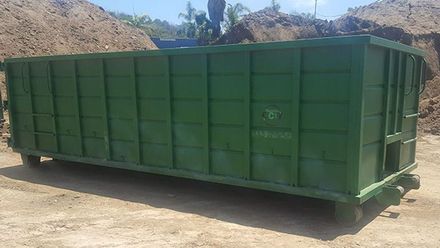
(373, 116)
(226, 125)
(118, 76)
(91, 117)
(119, 118)
(270, 155)
(110, 97)
(152, 98)
(153, 143)
(226, 100)
(63, 97)
(93, 137)
(85, 97)
(181, 123)
(61, 77)
(378, 141)
(219, 74)
(264, 128)
(188, 99)
(196, 75)
(329, 161)
(324, 131)
(200, 147)
(142, 120)
(346, 102)
(274, 101)
(139, 75)
(89, 77)
(325, 72)
(375, 86)
(238, 152)
(256, 74)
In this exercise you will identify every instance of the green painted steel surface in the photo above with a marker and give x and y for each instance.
(330, 118)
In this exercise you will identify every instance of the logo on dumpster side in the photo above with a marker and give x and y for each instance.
(272, 114)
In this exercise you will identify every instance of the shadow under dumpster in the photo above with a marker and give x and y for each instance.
(260, 209)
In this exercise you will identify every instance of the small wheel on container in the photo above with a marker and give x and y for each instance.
(402, 190)
(31, 161)
(415, 180)
(348, 214)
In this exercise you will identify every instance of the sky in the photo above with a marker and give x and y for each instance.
(170, 9)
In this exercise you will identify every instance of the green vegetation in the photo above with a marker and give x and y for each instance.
(307, 16)
(154, 28)
(275, 6)
(234, 13)
(195, 23)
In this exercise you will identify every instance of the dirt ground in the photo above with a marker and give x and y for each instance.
(72, 205)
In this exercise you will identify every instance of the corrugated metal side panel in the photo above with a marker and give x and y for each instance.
(278, 116)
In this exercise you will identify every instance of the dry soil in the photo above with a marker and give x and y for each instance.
(73, 205)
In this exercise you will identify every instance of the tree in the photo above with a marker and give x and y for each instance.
(275, 6)
(234, 14)
(140, 21)
(153, 28)
(189, 14)
(196, 24)
(216, 9)
(203, 28)
(189, 26)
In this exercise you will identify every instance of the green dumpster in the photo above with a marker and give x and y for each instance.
(332, 118)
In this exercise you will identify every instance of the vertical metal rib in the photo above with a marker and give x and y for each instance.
(52, 103)
(386, 108)
(104, 109)
(78, 108)
(169, 107)
(397, 92)
(247, 174)
(31, 102)
(136, 112)
(205, 114)
(296, 115)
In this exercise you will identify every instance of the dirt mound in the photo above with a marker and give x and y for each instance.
(416, 17)
(418, 21)
(411, 22)
(269, 25)
(430, 115)
(48, 27)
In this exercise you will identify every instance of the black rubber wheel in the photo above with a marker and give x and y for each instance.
(347, 214)
(31, 161)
